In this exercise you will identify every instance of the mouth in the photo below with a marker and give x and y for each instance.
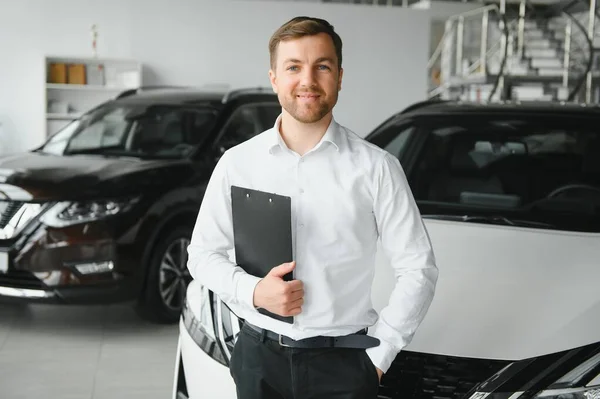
(308, 97)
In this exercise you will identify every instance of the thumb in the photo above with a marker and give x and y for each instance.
(283, 269)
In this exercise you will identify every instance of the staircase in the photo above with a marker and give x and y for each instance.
(535, 57)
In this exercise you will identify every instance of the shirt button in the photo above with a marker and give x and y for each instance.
(301, 226)
(301, 191)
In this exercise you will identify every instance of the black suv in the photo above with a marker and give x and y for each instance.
(104, 210)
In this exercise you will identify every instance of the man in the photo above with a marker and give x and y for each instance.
(346, 194)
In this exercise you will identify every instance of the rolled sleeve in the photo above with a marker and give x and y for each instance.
(407, 246)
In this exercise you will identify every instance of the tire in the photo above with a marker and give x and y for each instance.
(163, 296)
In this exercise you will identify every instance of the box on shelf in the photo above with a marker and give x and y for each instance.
(57, 73)
(95, 74)
(119, 77)
(112, 76)
(130, 79)
(77, 74)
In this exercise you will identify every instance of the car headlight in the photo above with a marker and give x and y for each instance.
(571, 393)
(68, 213)
(576, 384)
(571, 374)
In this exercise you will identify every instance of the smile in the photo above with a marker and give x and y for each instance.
(308, 97)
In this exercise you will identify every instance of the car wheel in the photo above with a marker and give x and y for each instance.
(168, 278)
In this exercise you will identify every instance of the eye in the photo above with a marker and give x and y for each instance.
(292, 68)
(324, 67)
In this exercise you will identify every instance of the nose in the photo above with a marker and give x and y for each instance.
(308, 77)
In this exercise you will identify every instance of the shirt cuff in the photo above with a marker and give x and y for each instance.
(383, 355)
(245, 289)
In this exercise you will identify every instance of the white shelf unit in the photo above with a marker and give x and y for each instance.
(55, 116)
(58, 86)
(104, 79)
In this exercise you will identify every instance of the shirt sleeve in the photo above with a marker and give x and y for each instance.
(212, 239)
(407, 246)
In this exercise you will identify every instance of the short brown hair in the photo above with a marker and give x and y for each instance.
(304, 26)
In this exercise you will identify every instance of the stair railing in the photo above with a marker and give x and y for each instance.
(588, 37)
(449, 60)
(574, 51)
(578, 50)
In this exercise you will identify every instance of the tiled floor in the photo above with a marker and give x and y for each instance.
(84, 352)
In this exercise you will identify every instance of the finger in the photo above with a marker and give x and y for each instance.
(295, 285)
(294, 296)
(296, 304)
(282, 270)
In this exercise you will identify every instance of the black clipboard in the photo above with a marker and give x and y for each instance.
(262, 230)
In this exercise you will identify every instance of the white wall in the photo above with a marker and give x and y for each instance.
(439, 12)
(192, 42)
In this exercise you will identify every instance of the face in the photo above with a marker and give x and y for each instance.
(306, 77)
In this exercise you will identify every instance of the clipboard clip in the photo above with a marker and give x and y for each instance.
(248, 196)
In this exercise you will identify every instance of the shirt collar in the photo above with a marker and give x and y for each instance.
(332, 135)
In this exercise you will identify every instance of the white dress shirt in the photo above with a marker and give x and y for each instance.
(346, 194)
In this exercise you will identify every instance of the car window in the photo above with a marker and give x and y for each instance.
(268, 114)
(242, 125)
(200, 124)
(531, 168)
(109, 130)
(57, 143)
(159, 131)
(170, 132)
(135, 130)
(397, 144)
(393, 135)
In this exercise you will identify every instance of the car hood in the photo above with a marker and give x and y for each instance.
(42, 177)
(506, 292)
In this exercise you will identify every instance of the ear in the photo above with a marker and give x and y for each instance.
(273, 80)
(340, 79)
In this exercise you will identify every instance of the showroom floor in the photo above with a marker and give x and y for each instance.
(94, 352)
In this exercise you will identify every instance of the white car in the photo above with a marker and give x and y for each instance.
(510, 195)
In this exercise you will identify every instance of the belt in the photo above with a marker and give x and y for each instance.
(359, 340)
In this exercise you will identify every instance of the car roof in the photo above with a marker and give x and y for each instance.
(188, 96)
(437, 107)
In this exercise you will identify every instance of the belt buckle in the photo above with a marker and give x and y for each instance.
(281, 342)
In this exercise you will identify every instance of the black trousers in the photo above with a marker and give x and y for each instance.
(262, 369)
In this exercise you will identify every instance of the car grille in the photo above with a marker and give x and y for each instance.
(20, 279)
(422, 376)
(8, 209)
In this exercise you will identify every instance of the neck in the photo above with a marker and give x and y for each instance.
(302, 137)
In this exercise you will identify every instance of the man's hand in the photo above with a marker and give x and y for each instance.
(379, 374)
(284, 298)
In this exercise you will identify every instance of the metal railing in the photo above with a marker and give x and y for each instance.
(454, 60)
(578, 51)
(576, 44)
(586, 36)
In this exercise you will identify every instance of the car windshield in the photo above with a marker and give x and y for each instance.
(154, 131)
(533, 171)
